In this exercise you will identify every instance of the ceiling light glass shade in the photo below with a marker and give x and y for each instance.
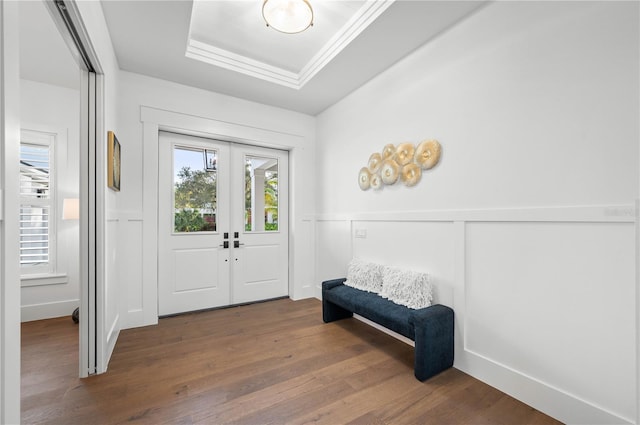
(288, 16)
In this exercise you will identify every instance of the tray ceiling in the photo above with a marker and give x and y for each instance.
(286, 59)
(226, 47)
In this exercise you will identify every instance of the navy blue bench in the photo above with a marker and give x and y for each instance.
(431, 328)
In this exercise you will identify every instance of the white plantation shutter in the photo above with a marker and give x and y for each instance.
(36, 202)
(34, 235)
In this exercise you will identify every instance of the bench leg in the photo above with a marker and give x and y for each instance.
(332, 312)
(434, 346)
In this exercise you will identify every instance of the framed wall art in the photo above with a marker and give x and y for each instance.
(113, 161)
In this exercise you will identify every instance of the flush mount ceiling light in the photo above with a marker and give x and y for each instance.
(288, 16)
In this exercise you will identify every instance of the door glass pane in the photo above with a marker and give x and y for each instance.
(195, 188)
(261, 194)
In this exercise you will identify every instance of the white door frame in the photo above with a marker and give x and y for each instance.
(154, 120)
(93, 346)
(9, 234)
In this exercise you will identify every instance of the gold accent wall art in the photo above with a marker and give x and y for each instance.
(113, 161)
(405, 163)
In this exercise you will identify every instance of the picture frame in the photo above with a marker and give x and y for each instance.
(113, 162)
(210, 160)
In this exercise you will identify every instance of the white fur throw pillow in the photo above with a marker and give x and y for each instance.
(406, 287)
(364, 275)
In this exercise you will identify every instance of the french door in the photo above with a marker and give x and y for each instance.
(223, 223)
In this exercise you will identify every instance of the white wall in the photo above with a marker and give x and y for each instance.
(54, 109)
(214, 115)
(528, 223)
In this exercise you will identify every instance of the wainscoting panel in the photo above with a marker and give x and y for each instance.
(555, 302)
(132, 257)
(301, 259)
(422, 246)
(113, 272)
(545, 298)
(131, 249)
(333, 250)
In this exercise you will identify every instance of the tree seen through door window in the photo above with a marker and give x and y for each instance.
(195, 192)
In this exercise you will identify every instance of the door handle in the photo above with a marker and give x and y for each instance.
(225, 244)
(236, 244)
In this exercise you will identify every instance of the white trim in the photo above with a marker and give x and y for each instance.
(637, 257)
(226, 59)
(112, 338)
(150, 171)
(529, 389)
(367, 14)
(43, 279)
(9, 233)
(624, 213)
(49, 310)
(234, 62)
(153, 121)
(193, 125)
(554, 401)
(85, 281)
(104, 347)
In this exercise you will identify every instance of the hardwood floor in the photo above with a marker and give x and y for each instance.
(267, 363)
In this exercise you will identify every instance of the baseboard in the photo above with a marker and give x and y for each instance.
(136, 319)
(552, 401)
(307, 291)
(51, 310)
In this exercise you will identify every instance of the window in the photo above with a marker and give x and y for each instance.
(195, 189)
(261, 194)
(37, 203)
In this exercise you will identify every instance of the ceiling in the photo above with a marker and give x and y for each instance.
(44, 56)
(225, 46)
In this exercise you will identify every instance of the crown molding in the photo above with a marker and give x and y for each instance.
(365, 16)
(232, 61)
(216, 56)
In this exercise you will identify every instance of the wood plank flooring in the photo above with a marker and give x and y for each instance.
(269, 363)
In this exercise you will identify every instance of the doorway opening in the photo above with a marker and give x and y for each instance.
(60, 122)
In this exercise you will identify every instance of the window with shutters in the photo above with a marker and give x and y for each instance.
(37, 203)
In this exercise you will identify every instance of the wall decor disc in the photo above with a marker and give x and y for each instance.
(411, 174)
(364, 178)
(376, 181)
(389, 171)
(428, 154)
(375, 161)
(404, 153)
(388, 151)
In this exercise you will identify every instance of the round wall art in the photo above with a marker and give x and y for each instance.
(405, 162)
